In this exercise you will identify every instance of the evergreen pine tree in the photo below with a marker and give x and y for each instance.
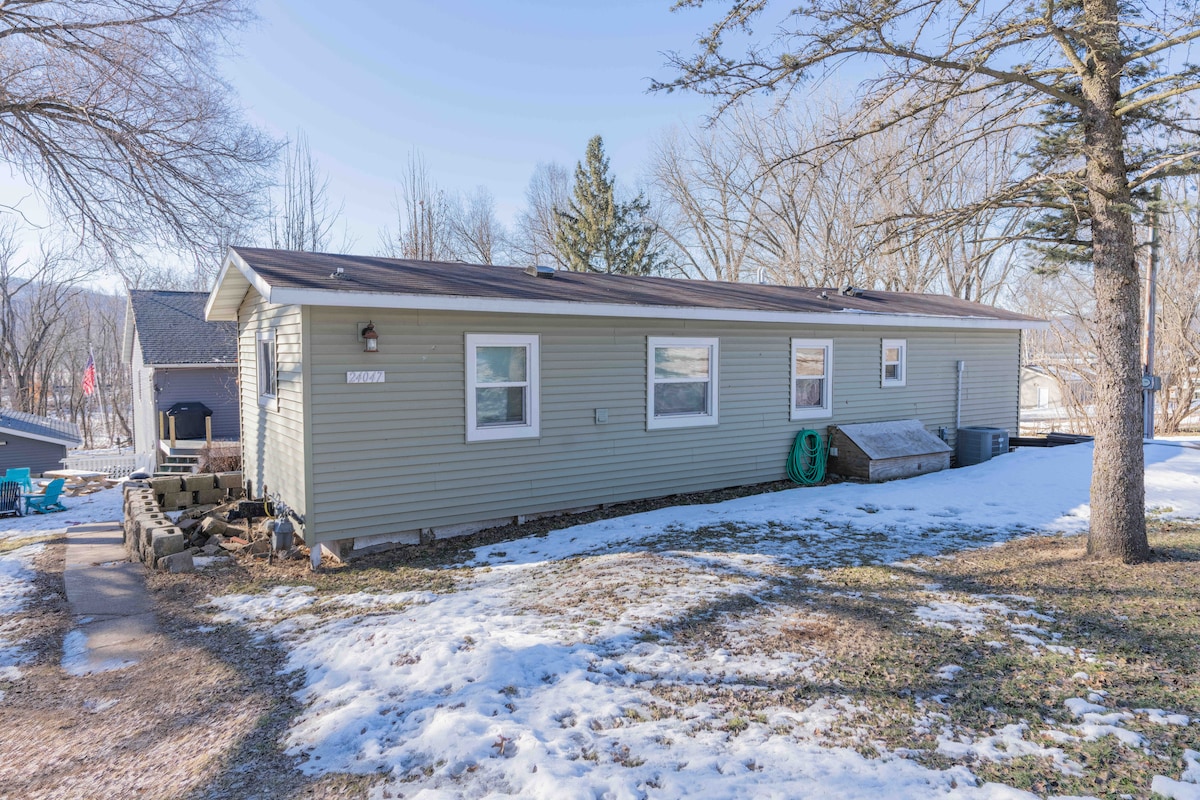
(596, 233)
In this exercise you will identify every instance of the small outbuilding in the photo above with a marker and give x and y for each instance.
(884, 451)
(393, 401)
(35, 442)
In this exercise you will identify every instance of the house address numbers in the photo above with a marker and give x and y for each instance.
(369, 376)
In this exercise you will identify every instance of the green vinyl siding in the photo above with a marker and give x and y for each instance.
(392, 457)
(273, 440)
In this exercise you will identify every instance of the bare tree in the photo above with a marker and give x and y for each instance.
(115, 110)
(1177, 334)
(423, 226)
(476, 234)
(1098, 74)
(549, 191)
(708, 192)
(305, 216)
(37, 310)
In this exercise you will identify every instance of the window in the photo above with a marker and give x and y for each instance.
(681, 382)
(812, 384)
(266, 367)
(502, 387)
(895, 354)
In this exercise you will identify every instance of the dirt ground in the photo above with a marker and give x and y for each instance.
(201, 718)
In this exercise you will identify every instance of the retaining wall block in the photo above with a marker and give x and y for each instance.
(166, 484)
(211, 497)
(211, 526)
(229, 480)
(147, 529)
(199, 481)
(177, 562)
(166, 542)
(174, 501)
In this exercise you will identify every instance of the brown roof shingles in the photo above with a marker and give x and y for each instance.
(298, 270)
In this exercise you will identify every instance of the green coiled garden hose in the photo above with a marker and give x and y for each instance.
(806, 462)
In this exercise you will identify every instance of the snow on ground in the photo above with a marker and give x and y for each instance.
(101, 506)
(1030, 490)
(533, 679)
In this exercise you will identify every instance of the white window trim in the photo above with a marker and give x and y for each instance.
(682, 420)
(532, 427)
(902, 346)
(267, 399)
(826, 408)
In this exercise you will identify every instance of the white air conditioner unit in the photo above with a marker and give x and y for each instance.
(978, 444)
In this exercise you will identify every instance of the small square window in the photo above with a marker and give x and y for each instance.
(681, 382)
(502, 387)
(812, 378)
(895, 366)
(266, 367)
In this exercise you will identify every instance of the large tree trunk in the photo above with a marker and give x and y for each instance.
(1118, 526)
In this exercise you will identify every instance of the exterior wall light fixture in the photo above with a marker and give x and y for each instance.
(370, 339)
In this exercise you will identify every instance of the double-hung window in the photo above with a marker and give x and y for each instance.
(266, 367)
(681, 382)
(502, 386)
(812, 373)
(895, 366)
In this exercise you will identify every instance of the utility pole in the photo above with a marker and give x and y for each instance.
(1150, 383)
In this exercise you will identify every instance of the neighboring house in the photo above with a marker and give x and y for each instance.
(496, 393)
(1054, 400)
(176, 356)
(39, 443)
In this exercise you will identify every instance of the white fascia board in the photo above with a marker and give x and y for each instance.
(319, 297)
(236, 276)
(37, 437)
(127, 332)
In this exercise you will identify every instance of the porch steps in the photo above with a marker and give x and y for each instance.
(178, 465)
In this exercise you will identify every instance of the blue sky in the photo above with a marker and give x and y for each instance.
(483, 90)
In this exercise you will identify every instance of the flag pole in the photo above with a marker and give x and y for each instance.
(100, 397)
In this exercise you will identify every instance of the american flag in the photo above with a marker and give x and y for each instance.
(89, 377)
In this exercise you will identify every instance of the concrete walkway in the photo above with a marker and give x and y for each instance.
(114, 617)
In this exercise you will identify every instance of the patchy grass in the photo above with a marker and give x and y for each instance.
(971, 660)
(17, 542)
(1030, 625)
(968, 659)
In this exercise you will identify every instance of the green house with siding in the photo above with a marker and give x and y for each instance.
(389, 401)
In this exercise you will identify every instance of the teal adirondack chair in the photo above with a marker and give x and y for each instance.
(48, 502)
(20, 475)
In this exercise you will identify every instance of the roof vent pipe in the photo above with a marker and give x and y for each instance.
(762, 275)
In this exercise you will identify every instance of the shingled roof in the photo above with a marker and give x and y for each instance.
(289, 277)
(45, 429)
(172, 330)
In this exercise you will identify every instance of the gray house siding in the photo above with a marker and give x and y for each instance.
(392, 458)
(273, 440)
(215, 387)
(38, 456)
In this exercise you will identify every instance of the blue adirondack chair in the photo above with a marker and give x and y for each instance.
(10, 498)
(48, 502)
(20, 475)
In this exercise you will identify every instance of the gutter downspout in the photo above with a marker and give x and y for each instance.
(961, 366)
